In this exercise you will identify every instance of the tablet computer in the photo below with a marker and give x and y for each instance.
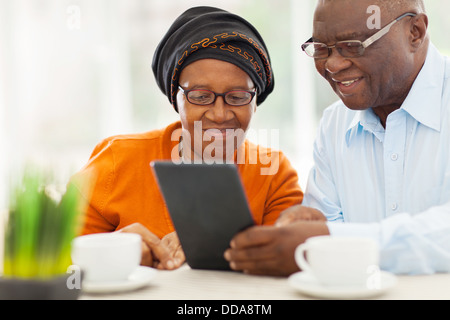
(208, 206)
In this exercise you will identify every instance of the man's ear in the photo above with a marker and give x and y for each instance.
(418, 30)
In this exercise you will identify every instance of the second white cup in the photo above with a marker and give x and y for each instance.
(339, 261)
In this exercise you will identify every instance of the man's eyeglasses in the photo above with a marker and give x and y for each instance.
(349, 48)
(202, 97)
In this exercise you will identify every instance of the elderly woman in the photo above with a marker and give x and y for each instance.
(215, 69)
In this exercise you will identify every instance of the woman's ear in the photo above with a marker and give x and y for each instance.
(255, 99)
(180, 100)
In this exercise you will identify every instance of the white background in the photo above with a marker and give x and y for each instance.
(75, 72)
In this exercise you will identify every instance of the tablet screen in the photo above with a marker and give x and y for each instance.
(208, 206)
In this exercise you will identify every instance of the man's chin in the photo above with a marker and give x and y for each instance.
(355, 105)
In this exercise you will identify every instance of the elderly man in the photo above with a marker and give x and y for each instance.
(382, 155)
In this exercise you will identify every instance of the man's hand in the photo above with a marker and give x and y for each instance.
(297, 213)
(269, 250)
(161, 254)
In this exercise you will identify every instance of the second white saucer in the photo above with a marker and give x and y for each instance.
(308, 285)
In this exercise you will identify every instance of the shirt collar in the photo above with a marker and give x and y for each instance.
(423, 102)
(366, 120)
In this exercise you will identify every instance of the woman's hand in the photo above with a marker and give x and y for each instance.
(172, 242)
(165, 254)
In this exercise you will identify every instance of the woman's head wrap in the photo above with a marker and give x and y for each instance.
(211, 33)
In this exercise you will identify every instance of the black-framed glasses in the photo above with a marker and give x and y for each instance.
(203, 97)
(348, 48)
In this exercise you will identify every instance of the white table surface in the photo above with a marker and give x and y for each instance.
(188, 284)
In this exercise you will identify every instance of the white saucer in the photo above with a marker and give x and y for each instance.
(141, 277)
(308, 285)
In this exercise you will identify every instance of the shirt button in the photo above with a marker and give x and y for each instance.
(394, 157)
(394, 206)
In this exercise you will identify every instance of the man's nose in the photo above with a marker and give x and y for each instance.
(336, 62)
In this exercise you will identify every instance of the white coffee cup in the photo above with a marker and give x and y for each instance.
(107, 257)
(339, 261)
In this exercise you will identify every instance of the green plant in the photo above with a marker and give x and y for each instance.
(39, 229)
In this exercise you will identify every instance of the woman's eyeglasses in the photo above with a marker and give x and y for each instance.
(349, 48)
(204, 97)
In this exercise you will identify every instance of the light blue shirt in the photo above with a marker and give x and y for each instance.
(393, 184)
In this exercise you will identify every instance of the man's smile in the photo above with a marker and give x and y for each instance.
(347, 86)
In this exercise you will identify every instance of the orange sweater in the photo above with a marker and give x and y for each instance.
(124, 189)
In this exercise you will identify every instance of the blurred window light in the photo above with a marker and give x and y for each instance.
(73, 72)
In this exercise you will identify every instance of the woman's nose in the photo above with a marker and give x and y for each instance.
(219, 111)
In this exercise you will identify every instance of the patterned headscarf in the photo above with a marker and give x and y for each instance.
(207, 32)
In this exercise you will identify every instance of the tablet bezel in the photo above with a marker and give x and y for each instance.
(208, 206)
